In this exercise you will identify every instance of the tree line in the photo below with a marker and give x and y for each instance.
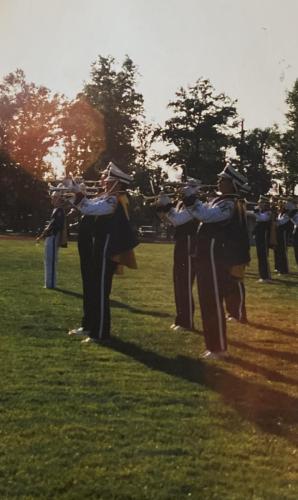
(106, 121)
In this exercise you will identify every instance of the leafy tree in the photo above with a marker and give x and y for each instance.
(29, 122)
(24, 200)
(256, 158)
(112, 92)
(83, 136)
(287, 143)
(200, 130)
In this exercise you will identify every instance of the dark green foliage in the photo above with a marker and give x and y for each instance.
(287, 143)
(200, 130)
(24, 200)
(112, 92)
(254, 148)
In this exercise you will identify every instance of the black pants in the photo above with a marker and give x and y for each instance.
(235, 298)
(262, 246)
(280, 252)
(97, 272)
(211, 283)
(183, 277)
(104, 269)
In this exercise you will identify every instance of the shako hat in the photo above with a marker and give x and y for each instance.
(238, 180)
(116, 174)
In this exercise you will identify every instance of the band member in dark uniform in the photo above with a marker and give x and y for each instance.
(282, 232)
(184, 271)
(113, 244)
(263, 216)
(293, 214)
(55, 236)
(235, 289)
(219, 247)
(86, 236)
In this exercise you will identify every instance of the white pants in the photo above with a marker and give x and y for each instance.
(51, 260)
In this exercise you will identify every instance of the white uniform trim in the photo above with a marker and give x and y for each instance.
(215, 283)
(98, 206)
(102, 285)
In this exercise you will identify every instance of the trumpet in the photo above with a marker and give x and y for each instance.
(65, 185)
(201, 190)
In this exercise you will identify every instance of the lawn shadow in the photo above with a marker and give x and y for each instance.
(261, 326)
(136, 310)
(291, 357)
(119, 305)
(273, 411)
(270, 375)
(69, 292)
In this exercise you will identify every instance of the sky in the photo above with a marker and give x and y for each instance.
(248, 49)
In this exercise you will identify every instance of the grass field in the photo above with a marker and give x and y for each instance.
(143, 418)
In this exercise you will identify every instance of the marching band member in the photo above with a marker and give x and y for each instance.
(282, 228)
(263, 216)
(293, 213)
(234, 288)
(86, 235)
(184, 271)
(112, 245)
(221, 244)
(55, 235)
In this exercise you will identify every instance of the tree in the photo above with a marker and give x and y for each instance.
(112, 93)
(200, 130)
(287, 143)
(83, 136)
(29, 122)
(256, 158)
(24, 199)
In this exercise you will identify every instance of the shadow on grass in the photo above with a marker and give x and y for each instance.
(120, 305)
(69, 292)
(275, 412)
(270, 328)
(270, 375)
(292, 357)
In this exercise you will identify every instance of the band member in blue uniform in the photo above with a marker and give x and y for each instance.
(113, 244)
(55, 237)
(221, 244)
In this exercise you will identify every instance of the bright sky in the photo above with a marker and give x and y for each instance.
(248, 49)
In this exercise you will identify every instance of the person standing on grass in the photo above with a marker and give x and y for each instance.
(221, 244)
(184, 271)
(55, 235)
(112, 246)
(263, 216)
(294, 218)
(282, 229)
(86, 236)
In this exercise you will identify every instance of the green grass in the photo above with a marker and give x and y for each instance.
(143, 418)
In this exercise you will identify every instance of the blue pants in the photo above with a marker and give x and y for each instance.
(51, 248)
